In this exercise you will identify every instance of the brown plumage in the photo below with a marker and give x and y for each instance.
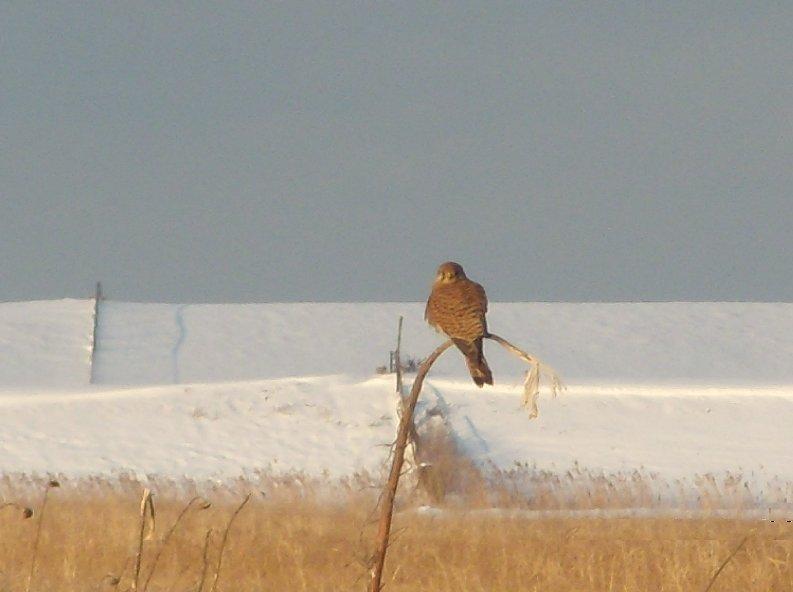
(457, 307)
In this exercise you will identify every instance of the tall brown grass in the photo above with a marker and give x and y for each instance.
(299, 536)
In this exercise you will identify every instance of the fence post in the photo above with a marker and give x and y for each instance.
(97, 299)
(398, 359)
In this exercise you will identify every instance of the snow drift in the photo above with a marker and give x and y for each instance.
(218, 391)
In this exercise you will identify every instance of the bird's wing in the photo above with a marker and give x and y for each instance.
(480, 291)
(428, 312)
(481, 297)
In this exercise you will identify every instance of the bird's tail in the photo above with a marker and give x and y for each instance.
(475, 360)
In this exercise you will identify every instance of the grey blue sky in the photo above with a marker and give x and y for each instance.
(230, 151)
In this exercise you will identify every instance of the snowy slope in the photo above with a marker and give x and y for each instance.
(45, 343)
(338, 426)
(216, 391)
(646, 343)
(323, 426)
(676, 434)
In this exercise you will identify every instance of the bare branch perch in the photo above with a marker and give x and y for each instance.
(389, 493)
(531, 389)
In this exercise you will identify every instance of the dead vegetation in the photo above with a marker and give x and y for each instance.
(301, 534)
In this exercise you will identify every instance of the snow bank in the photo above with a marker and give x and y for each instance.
(595, 344)
(675, 434)
(46, 343)
(218, 391)
(320, 426)
(339, 425)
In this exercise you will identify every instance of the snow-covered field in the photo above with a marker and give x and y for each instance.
(219, 391)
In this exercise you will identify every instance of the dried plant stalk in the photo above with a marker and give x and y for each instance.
(726, 561)
(146, 509)
(205, 558)
(204, 505)
(50, 485)
(26, 511)
(223, 541)
(531, 386)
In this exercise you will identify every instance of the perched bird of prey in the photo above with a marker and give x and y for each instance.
(457, 307)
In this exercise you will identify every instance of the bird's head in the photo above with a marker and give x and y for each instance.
(449, 272)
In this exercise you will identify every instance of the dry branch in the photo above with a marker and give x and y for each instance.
(406, 429)
(389, 493)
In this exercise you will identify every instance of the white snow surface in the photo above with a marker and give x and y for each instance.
(219, 391)
(323, 426)
(646, 343)
(45, 343)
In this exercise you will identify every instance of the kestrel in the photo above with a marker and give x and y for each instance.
(457, 307)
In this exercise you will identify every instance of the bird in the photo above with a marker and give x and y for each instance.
(457, 307)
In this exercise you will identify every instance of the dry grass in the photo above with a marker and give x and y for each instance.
(295, 538)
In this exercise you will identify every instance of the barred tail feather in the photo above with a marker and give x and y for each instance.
(475, 360)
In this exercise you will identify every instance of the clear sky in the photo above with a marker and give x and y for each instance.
(218, 151)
